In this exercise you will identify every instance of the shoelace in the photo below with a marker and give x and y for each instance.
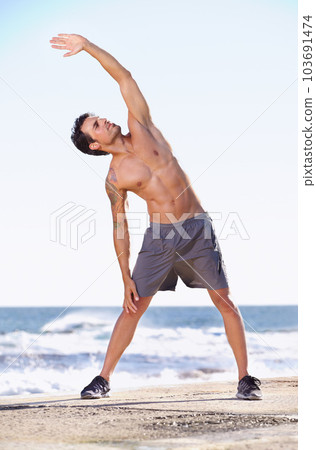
(100, 383)
(251, 381)
(103, 384)
(255, 381)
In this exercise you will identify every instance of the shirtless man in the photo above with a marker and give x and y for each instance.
(180, 240)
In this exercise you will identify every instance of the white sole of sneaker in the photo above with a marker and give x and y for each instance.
(89, 396)
(251, 397)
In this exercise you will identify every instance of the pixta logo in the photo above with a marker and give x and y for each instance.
(72, 225)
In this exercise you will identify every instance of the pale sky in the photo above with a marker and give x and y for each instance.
(208, 70)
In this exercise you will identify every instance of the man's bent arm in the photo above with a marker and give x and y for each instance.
(118, 198)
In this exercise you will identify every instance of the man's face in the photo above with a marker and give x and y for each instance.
(102, 131)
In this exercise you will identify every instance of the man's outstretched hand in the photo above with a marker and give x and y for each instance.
(72, 42)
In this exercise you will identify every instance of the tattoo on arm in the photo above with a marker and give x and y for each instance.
(112, 174)
(117, 198)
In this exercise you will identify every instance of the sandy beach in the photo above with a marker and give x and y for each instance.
(188, 416)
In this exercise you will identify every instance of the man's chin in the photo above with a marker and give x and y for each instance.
(117, 130)
(114, 127)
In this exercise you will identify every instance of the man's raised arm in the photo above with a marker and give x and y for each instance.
(118, 199)
(131, 93)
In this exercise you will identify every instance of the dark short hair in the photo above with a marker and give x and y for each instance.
(82, 140)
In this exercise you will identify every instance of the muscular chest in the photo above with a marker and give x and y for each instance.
(135, 174)
(145, 178)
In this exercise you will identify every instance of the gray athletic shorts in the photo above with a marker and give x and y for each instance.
(188, 249)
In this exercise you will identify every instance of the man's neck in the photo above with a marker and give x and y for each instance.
(121, 146)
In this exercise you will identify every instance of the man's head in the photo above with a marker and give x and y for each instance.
(93, 135)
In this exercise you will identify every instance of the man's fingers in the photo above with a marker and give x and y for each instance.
(131, 305)
(60, 47)
(69, 54)
(63, 34)
(58, 41)
(133, 308)
(134, 291)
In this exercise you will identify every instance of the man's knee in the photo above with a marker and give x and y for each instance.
(141, 305)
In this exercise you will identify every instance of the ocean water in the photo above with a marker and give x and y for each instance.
(46, 350)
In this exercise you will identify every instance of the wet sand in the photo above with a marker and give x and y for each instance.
(188, 416)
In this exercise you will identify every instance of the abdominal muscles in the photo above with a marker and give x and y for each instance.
(166, 191)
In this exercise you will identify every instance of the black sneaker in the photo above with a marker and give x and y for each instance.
(98, 388)
(248, 388)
